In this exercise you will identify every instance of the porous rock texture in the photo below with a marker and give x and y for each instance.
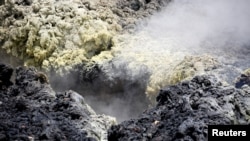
(193, 65)
(186, 69)
(184, 111)
(53, 34)
(57, 35)
(132, 12)
(31, 110)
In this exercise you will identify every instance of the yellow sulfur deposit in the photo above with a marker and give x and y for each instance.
(55, 34)
(247, 72)
(161, 60)
(177, 72)
(192, 65)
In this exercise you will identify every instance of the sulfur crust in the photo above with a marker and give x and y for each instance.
(247, 72)
(57, 35)
(49, 32)
(184, 70)
(164, 66)
(192, 65)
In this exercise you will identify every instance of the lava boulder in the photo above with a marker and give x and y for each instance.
(184, 111)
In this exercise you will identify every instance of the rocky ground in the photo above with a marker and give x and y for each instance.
(119, 55)
(184, 111)
(31, 110)
(58, 35)
(71, 40)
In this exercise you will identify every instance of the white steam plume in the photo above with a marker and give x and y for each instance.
(185, 27)
(191, 23)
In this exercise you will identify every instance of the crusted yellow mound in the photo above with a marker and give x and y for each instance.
(193, 65)
(186, 69)
(158, 62)
(247, 72)
(55, 34)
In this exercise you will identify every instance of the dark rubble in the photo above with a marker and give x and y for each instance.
(132, 12)
(185, 110)
(31, 110)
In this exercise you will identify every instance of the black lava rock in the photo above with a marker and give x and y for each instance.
(184, 112)
(5, 75)
(31, 110)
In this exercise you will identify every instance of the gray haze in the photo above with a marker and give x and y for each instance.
(201, 25)
(220, 28)
(143, 61)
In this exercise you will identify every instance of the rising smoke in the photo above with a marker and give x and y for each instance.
(189, 27)
(145, 61)
(219, 28)
(202, 25)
